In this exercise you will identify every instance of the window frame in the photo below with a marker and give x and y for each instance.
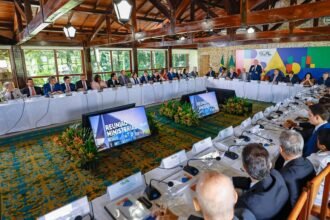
(58, 76)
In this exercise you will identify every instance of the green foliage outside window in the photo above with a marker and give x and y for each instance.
(40, 62)
(121, 60)
(5, 67)
(180, 60)
(144, 59)
(105, 61)
(159, 59)
(69, 62)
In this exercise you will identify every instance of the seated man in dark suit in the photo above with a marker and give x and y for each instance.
(30, 89)
(52, 87)
(318, 116)
(276, 77)
(145, 78)
(267, 197)
(297, 170)
(210, 73)
(292, 78)
(113, 81)
(324, 80)
(231, 74)
(170, 74)
(67, 86)
(83, 84)
(155, 77)
(216, 198)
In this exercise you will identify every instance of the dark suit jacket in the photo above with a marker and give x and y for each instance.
(321, 81)
(155, 79)
(26, 91)
(295, 79)
(143, 79)
(79, 85)
(255, 72)
(170, 76)
(234, 76)
(280, 78)
(110, 83)
(296, 173)
(311, 145)
(210, 73)
(57, 87)
(266, 198)
(72, 87)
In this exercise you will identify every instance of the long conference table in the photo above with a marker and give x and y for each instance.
(179, 197)
(21, 115)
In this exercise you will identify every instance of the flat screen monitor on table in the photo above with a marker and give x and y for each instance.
(222, 94)
(115, 128)
(204, 104)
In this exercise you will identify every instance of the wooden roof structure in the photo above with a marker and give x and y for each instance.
(162, 23)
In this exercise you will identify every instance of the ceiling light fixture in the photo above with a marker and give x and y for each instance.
(182, 38)
(69, 31)
(123, 10)
(250, 30)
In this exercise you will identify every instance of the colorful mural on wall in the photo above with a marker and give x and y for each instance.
(299, 60)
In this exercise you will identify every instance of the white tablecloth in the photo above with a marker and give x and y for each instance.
(254, 90)
(41, 111)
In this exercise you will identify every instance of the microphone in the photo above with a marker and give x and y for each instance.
(278, 109)
(230, 154)
(153, 193)
(244, 137)
(193, 170)
(267, 139)
(269, 122)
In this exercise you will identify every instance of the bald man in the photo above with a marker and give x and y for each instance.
(216, 198)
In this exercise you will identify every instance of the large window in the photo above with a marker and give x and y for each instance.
(5, 67)
(106, 61)
(40, 64)
(180, 60)
(151, 60)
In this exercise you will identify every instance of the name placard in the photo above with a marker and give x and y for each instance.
(79, 207)
(202, 145)
(246, 123)
(125, 186)
(225, 133)
(258, 116)
(174, 160)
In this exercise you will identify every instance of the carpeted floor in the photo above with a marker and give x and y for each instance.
(36, 177)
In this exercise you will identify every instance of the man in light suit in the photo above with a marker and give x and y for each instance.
(269, 193)
(216, 198)
(52, 87)
(297, 170)
(67, 86)
(30, 89)
(11, 92)
(83, 84)
(123, 78)
(318, 116)
(255, 71)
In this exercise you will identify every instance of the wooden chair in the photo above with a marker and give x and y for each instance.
(313, 187)
(299, 212)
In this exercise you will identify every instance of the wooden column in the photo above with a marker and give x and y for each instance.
(169, 58)
(87, 62)
(19, 65)
(135, 61)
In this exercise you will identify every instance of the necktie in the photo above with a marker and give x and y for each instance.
(51, 88)
(136, 82)
(12, 95)
(84, 85)
(68, 88)
(33, 91)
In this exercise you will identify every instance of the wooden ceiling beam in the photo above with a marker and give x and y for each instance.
(20, 9)
(49, 12)
(277, 15)
(28, 11)
(98, 27)
(277, 35)
(162, 8)
(182, 8)
(206, 9)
